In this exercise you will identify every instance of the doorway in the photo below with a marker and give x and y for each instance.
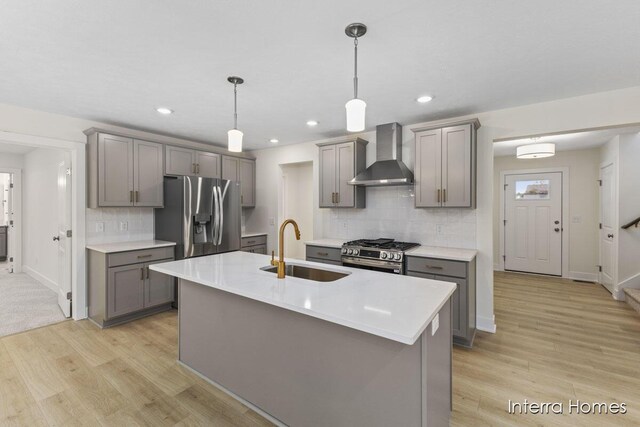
(533, 222)
(608, 226)
(6, 223)
(297, 203)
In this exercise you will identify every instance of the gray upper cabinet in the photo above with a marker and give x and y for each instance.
(445, 167)
(124, 172)
(339, 163)
(184, 161)
(243, 171)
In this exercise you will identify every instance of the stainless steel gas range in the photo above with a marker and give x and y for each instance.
(379, 254)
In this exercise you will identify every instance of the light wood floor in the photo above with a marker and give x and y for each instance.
(556, 340)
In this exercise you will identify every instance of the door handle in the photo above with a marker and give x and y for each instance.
(610, 236)
(556, 222)
(557, 230)
(56, 238)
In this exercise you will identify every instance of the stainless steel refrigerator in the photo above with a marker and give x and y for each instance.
(202, 215)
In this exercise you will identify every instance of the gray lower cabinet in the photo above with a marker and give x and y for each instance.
(123, 288)
(463, 300)
(323, 254)
(254, 244)
(3, 243)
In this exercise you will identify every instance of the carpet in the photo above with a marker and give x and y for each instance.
(25, 304)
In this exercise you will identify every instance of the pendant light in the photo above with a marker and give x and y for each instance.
(536, 151)
(355, 107)
(234, 135)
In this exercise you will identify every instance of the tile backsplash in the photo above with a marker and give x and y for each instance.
(390, 212)
(137, 221)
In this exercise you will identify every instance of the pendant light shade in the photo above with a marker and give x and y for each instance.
(536, 151)
(356, 107)
(234, 136)
(355, 115)
(235, 140)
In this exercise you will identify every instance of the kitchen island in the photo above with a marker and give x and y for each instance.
(368, 349)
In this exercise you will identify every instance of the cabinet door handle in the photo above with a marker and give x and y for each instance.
(193, 168)
(444, 195)
(131, 196)
(241, 199)
(137, 196)
(147, 271)
(333, 197)
(434, 267)
(198, 168)
(338, 198)
(322, 253)
(251, 242)
(438, 195)
(144, 256)
(142, 273)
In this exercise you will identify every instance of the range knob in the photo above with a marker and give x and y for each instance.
(350, 251)
(383, 255)
(356, 252)
(344, 250)
(398, 256)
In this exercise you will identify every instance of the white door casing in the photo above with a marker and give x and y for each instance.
(608, 221)
(11, 232)
(64, 240)
(533, 223)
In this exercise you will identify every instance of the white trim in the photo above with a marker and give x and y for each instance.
(78, 208)
(565, 211)
(616, 293)
(631, 282)
(497, 266)
(232, 395)
(41, 278)
(16, 206)
(486, 324)
(587, 277)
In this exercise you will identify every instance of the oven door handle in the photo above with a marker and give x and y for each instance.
(373, 263)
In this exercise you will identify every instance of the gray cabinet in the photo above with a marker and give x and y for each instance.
(445, 166)
(243, 171)
(3, 243)
(182, 161)
(254, 244)
(463, 300)
(324, 254)
(339, 163)
(124, 172)
(122, 287)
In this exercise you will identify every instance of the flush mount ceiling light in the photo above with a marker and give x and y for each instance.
(424, 99)
(164, 110)
(274, 141)
(536, 151)
(355, 107)
(312, 123)
(234, 135)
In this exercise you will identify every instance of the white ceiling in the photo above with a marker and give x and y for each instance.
(116, 61)
(564, 142)
(15, 149)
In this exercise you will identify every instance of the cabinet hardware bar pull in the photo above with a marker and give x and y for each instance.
(147, 272)
(438, 195)
(444, 195)
(137, 198)
(198, 168)
(142, 273)
(338, 198)
(434, 267)
(323, 253)
(193, 167)
(144, 256)
(131, 196)
(250, 242)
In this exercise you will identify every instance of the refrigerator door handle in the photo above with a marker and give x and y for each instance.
(188, 231)
(214, 208)
(221, 223)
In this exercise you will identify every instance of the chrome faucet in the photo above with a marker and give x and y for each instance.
(281, 265)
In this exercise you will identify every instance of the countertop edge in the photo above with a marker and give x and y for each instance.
(98, 247)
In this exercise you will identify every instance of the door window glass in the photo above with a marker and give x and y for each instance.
(532, 190)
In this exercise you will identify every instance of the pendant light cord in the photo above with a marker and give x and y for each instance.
(235, 105)
(355, 68)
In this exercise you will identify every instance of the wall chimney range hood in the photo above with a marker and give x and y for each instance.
(388, 168)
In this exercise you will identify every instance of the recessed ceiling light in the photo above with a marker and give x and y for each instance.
(312, 123)
(164, 110)
(273, 141)
(424, 99)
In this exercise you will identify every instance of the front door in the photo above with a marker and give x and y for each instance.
(533, 226)
(608, 226)
(63, 237)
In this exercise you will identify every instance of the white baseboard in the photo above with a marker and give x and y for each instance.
(497, 267)
(40, 278)
(579, 275)
(486, 324)
(631, 282)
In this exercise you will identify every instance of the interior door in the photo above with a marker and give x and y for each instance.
(64, 237)
(11, 229)
(533, 227)
(609, 225)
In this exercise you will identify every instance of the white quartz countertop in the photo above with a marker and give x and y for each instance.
(391, 306)
(329, 243)
(453, 254)
(248, 234)
(108, 248)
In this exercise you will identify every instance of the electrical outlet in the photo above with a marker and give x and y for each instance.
(99, 227)
(435, 324)
(124, 225)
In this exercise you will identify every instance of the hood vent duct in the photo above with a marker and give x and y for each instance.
(388, 168)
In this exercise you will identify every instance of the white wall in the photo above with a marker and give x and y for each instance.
(583, 112)
(629, 209)
(40, 214)
(297, 203)
(584, 168)
(139, 224)
(11, 161)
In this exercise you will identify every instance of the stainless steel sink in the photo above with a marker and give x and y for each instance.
(308, 273)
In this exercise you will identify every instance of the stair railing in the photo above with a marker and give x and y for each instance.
(631, 224)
